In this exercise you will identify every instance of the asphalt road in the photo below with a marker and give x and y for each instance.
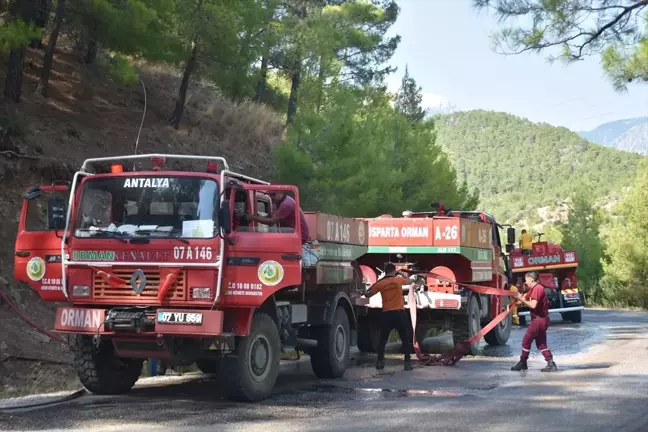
(602, 385)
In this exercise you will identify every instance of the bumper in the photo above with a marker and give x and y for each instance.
(424, 300)
(561, 310)
(185, 322)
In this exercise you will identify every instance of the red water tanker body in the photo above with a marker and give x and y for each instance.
(441, 246)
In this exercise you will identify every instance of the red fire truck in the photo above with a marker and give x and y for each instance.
(441, 246)
(158, 263)
(557, 273)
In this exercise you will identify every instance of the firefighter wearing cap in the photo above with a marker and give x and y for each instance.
(284, 215)
(538, 303)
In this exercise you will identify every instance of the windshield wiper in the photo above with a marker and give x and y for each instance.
(111, 234)
(147, 233)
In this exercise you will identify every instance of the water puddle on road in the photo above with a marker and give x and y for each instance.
(320, 392)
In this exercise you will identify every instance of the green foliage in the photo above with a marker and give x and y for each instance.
(625, 65)
(358, 156)
(581, 233)
(574, 29)
(118, 69)
(627, 266)
(13, 126)
(16, 34)
(521, 166)
(409, 98)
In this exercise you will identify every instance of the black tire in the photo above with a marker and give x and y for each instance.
(564, 316)
(331, 357)
(368, 334)
(467, 325)
(247, 380)
(421, 331)
(523, 321)
(101, 371)
(575, 316)
(209, 365)
(500, 334)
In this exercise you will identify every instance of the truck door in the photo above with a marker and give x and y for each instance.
(37, 259)
(260, 256)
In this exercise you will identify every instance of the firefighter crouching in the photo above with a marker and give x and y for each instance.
(538, 303)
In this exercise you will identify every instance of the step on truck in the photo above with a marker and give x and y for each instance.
(158, 263)
(440, 246)
(556, 269)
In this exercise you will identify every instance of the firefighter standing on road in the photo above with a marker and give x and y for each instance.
(394, 315)
(538, 304)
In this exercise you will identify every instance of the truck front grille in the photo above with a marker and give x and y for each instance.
(103, 291)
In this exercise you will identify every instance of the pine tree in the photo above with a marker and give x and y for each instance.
(409, 99)
(582, 233)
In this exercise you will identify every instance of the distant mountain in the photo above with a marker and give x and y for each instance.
(521, 167)
(627, 134)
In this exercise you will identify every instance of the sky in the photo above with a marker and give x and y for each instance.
(446, 47)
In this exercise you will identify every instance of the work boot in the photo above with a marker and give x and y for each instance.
(380, 364)
(551, 367)
(408, 363)
(522, 365)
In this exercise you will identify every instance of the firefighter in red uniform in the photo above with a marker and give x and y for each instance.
(538, 304)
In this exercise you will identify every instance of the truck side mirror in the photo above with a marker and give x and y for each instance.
(510, 235)
(224, 217)
(56, 212)
(509, 248)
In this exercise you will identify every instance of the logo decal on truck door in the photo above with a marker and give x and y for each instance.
(36, 269)
(270, 273)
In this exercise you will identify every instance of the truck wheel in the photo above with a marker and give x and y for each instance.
(330, 358)
(422, 329)
(209, 365)
(500, 334)
(523, 321)
(101, 371)
(252, 372)
(368, 335)
(467, 325)
(575, 316)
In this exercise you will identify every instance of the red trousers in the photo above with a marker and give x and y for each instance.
(537, 331)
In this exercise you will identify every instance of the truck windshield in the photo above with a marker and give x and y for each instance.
(147, 206)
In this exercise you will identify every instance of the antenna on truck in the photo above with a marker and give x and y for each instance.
(141, 123)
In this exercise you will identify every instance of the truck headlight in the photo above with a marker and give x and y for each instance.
(80, 291)
(201, 293)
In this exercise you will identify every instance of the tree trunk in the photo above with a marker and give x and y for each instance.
(320, 90)
(294, 87)
(39, 16)
(13, 82)
(261, 85)
(182, 93)
(43, 84)
(91, 51)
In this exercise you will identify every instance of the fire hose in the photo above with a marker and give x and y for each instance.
(30, 322)
(452, 356)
